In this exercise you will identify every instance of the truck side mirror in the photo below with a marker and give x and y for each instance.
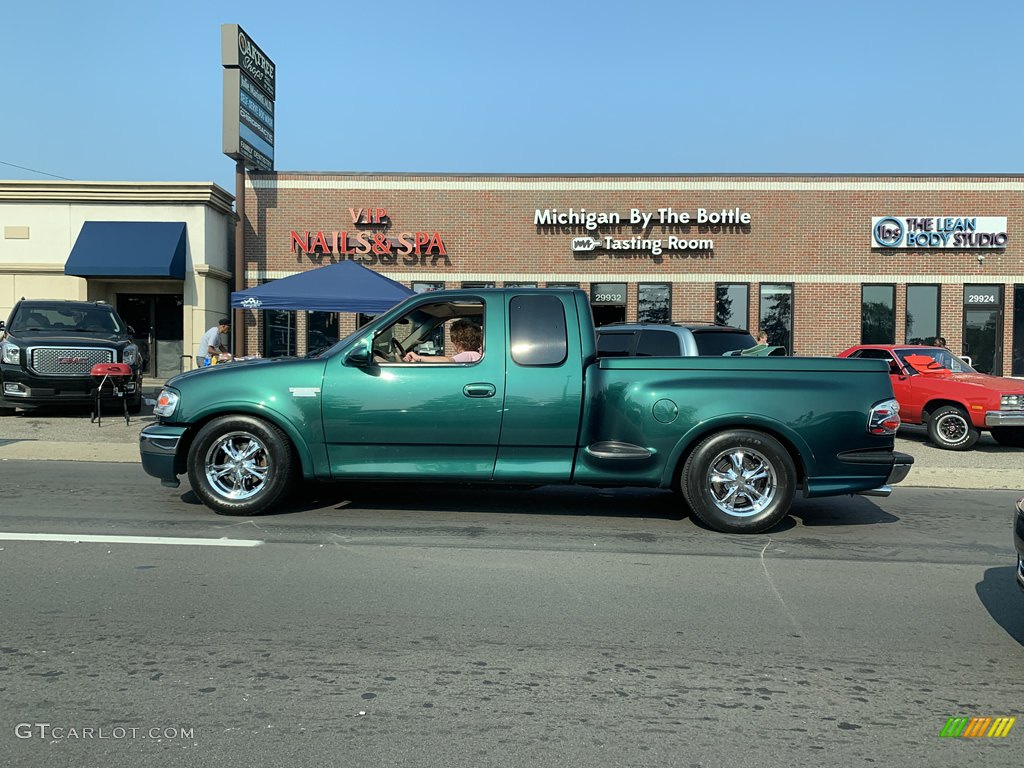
(360, 355)
(2, 326)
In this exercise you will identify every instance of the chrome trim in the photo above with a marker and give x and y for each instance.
(50, 353)
(1004, 419)
(882, 490)
(613, 449)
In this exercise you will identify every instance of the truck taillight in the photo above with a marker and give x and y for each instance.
(884, 418)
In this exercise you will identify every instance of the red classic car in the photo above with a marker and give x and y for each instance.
(939, 389)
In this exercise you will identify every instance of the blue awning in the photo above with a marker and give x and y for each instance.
(342, 287)
(129, 249)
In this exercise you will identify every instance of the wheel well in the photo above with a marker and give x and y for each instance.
(185, 444)
(933, 405)
(794, 454)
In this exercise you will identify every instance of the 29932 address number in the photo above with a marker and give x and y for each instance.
(608, 297)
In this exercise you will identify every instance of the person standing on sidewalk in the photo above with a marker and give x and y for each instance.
(212, 343)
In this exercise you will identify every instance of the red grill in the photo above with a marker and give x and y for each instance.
(113, 378)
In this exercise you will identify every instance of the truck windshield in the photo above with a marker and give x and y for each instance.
(932, 359)
(61, 318)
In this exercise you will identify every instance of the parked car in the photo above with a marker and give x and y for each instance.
(737, 437)
(48, 349)
(677, 340)
(941, 390)
(1018, 541)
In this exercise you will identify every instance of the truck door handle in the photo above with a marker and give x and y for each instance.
(479, 389)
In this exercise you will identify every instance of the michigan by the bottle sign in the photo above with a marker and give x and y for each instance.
(977, 727)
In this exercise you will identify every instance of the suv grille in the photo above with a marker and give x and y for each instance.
(69, 361)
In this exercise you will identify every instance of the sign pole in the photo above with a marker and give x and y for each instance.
(239, 314)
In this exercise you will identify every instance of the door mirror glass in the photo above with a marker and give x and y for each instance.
(359, 356)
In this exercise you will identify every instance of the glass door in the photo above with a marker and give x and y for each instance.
(983, 327)
(158, 325)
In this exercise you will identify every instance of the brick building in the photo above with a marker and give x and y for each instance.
(821, 261)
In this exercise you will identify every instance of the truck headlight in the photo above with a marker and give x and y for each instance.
(10, 352)
(166, 402)
(131, 355)
(1011, 402)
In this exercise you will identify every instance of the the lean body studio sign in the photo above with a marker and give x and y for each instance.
(939, 232)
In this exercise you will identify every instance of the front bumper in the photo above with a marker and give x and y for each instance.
(1004, 419)
(25, 389)
(1018, 541)
(158, 446)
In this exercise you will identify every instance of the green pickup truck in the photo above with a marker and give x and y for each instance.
(736, 437)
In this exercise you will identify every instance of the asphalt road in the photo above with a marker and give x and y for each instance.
(462, 627)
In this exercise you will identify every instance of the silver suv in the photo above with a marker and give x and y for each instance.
(674, 340)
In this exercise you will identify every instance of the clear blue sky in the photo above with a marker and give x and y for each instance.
(132, 90)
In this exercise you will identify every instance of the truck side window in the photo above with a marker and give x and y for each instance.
(537, 330)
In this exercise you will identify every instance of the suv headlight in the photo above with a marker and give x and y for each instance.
(166, 402)
(131, 355)
(1011, 402)
(10, 352)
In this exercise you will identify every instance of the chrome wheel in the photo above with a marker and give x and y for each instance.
(237, 466)
(742, 482)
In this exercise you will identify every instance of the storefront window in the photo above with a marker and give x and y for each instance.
(654, 303)
(732, 304)
(562, 285)
(776, 315)
(1017, 363)
(278, 333)
(321, 331)
(878, 314)
(922, 314)
(478, 284)
(512, 284)
(983, 327)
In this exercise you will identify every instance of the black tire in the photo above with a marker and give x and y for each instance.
(1011, 437)
(7, 411)
(950, 428)
(135, 405)
(244, 486)
(764, 493)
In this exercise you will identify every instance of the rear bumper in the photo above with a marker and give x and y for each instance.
(158, 447)
(886, 467)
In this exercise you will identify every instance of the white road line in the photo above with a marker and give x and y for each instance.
(88, 539)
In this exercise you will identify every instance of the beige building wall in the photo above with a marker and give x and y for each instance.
(40, 222)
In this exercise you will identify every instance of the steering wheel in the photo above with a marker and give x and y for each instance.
(397, 347)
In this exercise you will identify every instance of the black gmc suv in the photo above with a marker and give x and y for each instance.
(48, 349)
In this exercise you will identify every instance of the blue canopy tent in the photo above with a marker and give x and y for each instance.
(342, 287)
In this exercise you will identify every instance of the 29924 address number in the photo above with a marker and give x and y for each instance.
(981, 298)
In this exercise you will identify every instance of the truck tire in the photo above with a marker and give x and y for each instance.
(1011, 437)
(950, 428)
(241, 465)
(739, 481)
